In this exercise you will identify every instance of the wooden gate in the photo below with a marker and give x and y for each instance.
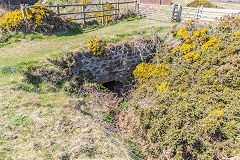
(206, 14)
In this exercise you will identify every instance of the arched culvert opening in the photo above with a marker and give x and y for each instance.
(114, 86)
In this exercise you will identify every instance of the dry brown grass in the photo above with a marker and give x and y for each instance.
(51, 126)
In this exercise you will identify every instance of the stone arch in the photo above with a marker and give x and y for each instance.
(114, 86)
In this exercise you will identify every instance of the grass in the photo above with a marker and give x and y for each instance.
(57, 45)
(46, 123)
(183, 2)
(46, 126)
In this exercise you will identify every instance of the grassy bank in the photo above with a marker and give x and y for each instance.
(56, 45)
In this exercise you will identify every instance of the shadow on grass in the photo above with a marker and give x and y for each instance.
(93, 26)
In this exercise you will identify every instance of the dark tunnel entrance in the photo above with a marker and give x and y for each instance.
(114, 86)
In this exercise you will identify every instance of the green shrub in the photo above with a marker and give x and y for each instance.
(197, 114)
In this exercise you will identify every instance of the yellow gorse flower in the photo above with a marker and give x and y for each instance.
(143, 72)
(192, 41)
(147, 71)
(218, 112)
(14, 20)
(96, 46)
(85, 1)
(236, 33)
(191, 56)
(11, 21)
(162, 87)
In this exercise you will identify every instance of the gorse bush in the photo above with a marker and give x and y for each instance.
(147, 73)
(204, 3)
(192, 42)
(192, 111)
(11, 21)
(38, 19)
(96, 46)
(143, 72)
(85, 1)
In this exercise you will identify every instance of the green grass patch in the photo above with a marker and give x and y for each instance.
(51, 46)
(19, 121)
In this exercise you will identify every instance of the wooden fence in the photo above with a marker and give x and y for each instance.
(178, 13)
(205, 14)
(84, 12)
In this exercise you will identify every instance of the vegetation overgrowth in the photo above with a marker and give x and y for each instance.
(38, 19)
(50, 122)
(190, 111)
(12, 37)
(202, 3)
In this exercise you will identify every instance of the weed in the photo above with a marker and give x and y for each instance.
(20, 121)
(124, 105)
(107, 118)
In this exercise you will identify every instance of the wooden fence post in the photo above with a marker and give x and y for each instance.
(138, 9)
(200, 12)
(23, 11)
(107, 18)
(136, 6)
(115, 11)
(118, 7)
(58, 10)
(173, 12)
(107, 14)
(84, 14)
(102, 13)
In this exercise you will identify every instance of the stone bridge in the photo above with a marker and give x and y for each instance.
(116, 64)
